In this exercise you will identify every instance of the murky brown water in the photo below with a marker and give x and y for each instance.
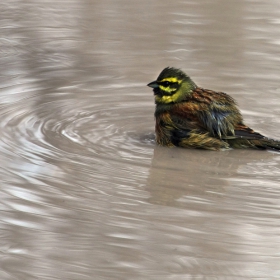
(85, 192)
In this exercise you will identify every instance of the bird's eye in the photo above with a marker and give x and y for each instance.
(166, 84)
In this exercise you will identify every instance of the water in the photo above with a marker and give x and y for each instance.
(85, 191)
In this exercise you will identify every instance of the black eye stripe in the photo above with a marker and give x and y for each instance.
(167, 84)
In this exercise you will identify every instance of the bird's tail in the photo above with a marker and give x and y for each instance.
(267, 143)
(262, 143)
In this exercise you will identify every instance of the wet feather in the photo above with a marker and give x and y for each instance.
(192, 117)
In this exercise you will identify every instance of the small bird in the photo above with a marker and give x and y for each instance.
(193, 117)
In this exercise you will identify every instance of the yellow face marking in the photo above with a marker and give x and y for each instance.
(168, 98)
(164, 99)
(167, 89)
(172, 80)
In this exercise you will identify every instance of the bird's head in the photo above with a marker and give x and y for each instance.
(171, 86)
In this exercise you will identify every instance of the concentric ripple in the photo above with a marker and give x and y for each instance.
(68, 125)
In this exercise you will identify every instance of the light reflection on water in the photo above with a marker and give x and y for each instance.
(86, 193)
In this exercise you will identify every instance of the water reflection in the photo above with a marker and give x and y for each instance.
(179, 173)
(217, 196)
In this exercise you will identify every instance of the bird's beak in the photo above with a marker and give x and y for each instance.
(153, 84)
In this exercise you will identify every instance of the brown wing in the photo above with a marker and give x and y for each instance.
(243, 131)
(213, 112)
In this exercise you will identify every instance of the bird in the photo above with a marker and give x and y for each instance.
(190, 116)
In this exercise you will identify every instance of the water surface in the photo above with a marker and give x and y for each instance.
(85, 191)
